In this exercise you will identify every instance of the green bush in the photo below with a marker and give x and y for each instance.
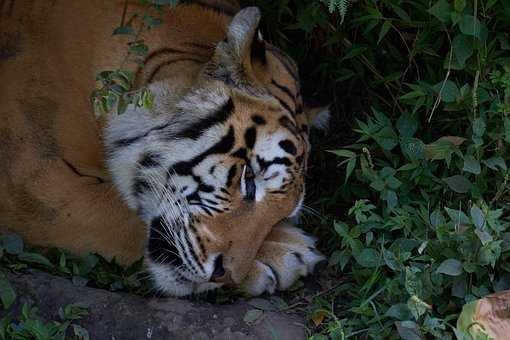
(417, 222)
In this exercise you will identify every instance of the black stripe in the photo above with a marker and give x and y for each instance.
(226, 143)
(210, 47)
(259, 120)
(158, 247)
(128, 141)
(149, 160)
(195, 130)
(284, 59)
(73, 169)
(167, 50)
(140, 186)
(231, 174)
(250, 136)
(277, 160)
(158, 68)
(288, 146)
(275, 273)
(216, 8)
(289, 125)
(284, 89)
(240, 153)
(192, 251)
(221, 198)
(285, 105)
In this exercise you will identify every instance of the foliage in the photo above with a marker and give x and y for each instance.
(92, 270)
(28, 325)
(419, 218)
(116, 87)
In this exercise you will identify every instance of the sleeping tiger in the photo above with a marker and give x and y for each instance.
(203, 184)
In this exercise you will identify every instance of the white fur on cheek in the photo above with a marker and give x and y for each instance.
(297, 209)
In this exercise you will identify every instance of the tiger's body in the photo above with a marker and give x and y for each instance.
(209, 175)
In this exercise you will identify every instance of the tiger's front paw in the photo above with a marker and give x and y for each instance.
(286, 254)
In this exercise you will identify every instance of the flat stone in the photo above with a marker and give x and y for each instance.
(127, 316)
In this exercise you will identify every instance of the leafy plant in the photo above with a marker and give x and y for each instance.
(28, 325)
(418, 219)
(116, 87)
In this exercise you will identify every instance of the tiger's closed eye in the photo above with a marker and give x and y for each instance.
(248, 186)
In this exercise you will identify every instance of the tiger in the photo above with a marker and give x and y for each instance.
(204, 184)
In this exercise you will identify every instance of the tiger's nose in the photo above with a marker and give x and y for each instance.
(218, 271)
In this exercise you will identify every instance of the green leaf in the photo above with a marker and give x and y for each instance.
(391, 199)
(459, 5)
(483, 236)
(470, 25)
(472, 165)
(139, 48)
(479, 127)
(11, 243)
(341, 229)
(407, 125)
(35, 258)
(448, 91)
(417, 306)
(384, 30)
(252, 316)
(413, 94)
(350, 167)
(408, 330)
(495, 162)
(343, 153)
(413, 148)
(340, 258)
(391, 260)
(441, 10)
(124, 30)
(368, 258)
(477, 217)
(490, 253)
(458, 183)
(151, 21)
(80, 332)
(458, 217)
(413, 284)
(437, 219)
(399, 311)
(462, 48)
(7, 293)
(451, 267)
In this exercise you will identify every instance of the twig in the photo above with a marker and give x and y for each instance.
(438, 99)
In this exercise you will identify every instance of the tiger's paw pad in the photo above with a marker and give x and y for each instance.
(286, 255)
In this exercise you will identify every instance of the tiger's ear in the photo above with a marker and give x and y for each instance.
(243, 44)
(318, 116)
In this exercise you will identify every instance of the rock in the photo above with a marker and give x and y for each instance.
(126, 316)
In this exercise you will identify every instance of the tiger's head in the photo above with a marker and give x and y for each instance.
(213, 169)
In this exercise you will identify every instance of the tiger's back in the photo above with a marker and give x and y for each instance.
(51, 150)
